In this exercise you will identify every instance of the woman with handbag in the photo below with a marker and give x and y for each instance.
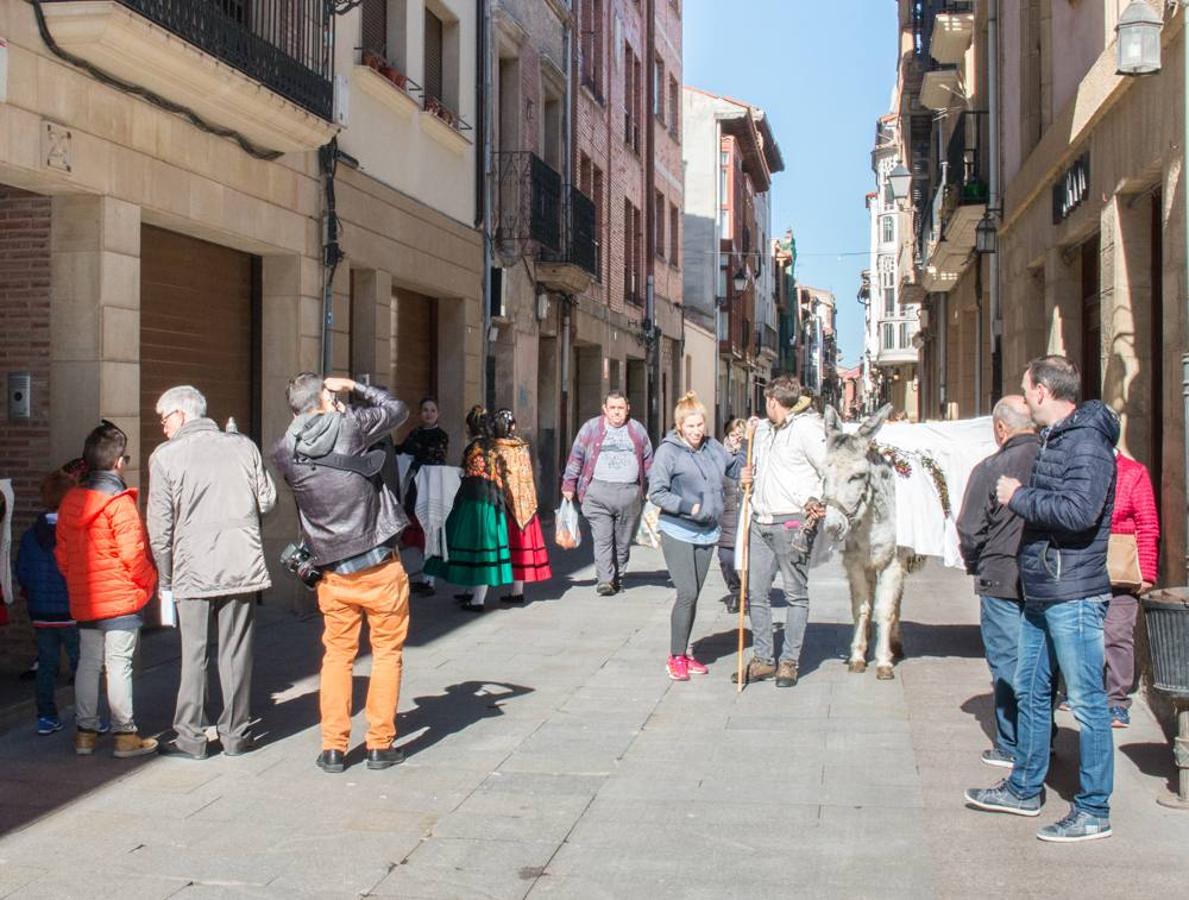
(1132, 558)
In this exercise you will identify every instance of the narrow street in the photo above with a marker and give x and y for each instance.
(549, 756)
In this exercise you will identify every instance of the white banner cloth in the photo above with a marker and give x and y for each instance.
(436, 487)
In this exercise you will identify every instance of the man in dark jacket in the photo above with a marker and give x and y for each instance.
(989, 533)
(1067, 511)
(350, 522)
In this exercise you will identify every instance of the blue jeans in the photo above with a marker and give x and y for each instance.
(1000, 623)
(50, 642)
(1068, 635)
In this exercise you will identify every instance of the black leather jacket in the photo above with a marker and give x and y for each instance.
(344, 513)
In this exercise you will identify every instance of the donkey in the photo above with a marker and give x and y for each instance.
(860, 484)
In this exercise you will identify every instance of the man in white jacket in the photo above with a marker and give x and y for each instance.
(787, 464)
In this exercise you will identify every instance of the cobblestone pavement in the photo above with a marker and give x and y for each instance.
(549, 756)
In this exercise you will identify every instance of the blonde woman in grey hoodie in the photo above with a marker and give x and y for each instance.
(686, 483)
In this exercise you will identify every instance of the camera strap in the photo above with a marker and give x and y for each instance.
(368, 465)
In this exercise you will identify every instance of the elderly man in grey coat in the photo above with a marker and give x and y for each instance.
(207, 491)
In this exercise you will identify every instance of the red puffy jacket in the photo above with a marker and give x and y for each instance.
(101, 551)
(1135, 513)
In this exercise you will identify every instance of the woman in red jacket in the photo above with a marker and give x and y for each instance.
(1135, 513)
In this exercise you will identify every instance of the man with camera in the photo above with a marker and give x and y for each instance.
(349, 524)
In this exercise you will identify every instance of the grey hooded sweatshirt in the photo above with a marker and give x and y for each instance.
(682, 478)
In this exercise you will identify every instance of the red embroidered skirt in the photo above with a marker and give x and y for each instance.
(530, 559)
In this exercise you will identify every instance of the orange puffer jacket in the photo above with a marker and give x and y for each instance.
(101, 552)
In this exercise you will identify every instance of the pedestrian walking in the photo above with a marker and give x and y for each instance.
(428, 444)
(1136, 525)
(608, 471)
(526, 541)
(102, 554)
(207, 491)
(1067, 511)
(788, 461)
(350, 523)
(477, 552)
(989, 536)
(54, 629)
(686, 484)
(729, 521)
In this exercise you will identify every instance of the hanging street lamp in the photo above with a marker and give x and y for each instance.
(1138, 46)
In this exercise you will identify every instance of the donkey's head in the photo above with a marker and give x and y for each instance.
(850, 464)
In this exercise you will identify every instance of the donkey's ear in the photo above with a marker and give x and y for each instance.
(833, 424)
(875, 421)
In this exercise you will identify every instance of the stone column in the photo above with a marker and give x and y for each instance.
(371, 325)
(94, 323)
(1063, 304)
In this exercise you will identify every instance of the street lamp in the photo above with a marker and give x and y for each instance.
(1138, 50)
(740, 281)
(899, 181)
(986, 236)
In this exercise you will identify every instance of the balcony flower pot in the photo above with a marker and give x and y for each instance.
(436, 107)
(373, 60)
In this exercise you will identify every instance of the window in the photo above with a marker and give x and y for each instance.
(596, 187)
(373, 26)
(722, 281)
(658, 89)
(434, 68)
(633, 246)
(632, 88)
(888, 229)
(658, 227)
(889, 301)
(551, 132)
(889, 337)
(674, 226)
(592, 47)
(905, 343)
(674, 108)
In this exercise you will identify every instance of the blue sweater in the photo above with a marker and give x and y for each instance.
(37, 573)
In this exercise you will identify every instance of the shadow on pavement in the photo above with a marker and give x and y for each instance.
(437, 716)
(1154, 760)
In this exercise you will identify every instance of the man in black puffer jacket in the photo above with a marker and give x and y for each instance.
(1067, 508)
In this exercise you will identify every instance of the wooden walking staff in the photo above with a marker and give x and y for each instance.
(746, 557)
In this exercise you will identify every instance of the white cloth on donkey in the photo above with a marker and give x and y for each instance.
(956, 447)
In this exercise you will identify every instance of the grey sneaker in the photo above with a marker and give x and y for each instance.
(997, 757)
(1078, 825)
(1000, 799)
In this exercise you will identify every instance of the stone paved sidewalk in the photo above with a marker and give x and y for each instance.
(549, 756)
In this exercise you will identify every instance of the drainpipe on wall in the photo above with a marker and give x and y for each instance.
(484, 91)
(993, 200)
(652, 333)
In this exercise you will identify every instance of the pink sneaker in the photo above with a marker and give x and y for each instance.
(694, 667)
(677, 668)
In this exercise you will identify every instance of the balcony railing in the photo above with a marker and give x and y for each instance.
(528, 205)
(286, 45)
(580, 235)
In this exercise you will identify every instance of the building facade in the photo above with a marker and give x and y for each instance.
(730, 156)
(266, 229)
(818, 344)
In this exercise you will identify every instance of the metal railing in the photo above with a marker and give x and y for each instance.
(580, 238)
(528, 203)
(286, 45)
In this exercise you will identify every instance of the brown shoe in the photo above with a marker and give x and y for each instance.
(786, 673)
(129, 744)
(85, 741)
(757, 670)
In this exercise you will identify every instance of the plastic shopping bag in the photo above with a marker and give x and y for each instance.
(169, 610)
(566, 533)
(649, 534)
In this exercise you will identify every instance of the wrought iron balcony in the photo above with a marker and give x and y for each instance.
(286, 45)
(528, 205)
(580, 245)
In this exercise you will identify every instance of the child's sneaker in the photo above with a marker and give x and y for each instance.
(85, 741)
(48, 724)
(694, 667)
(129, 744)
(677, 668)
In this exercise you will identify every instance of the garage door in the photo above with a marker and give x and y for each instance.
(414, 343)
(196, 327)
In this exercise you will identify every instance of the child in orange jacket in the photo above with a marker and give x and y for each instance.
(101, 552)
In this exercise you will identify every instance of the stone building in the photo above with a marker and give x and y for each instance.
(175, 210)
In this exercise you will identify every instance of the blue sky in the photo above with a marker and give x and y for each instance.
(823, 71)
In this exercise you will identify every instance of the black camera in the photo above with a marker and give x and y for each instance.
(297, 558)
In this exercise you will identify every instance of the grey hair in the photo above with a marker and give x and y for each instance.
(1008, 411)
(183, 398)
(304, 392)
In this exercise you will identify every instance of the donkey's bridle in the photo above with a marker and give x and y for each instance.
(852, 515)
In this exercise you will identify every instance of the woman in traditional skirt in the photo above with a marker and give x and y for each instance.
(526, 541)
(427, 444)
(477, 528)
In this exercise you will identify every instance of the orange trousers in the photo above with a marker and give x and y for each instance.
(382, 594)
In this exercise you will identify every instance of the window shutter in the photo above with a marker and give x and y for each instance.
(373, 27)
(433, 56)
